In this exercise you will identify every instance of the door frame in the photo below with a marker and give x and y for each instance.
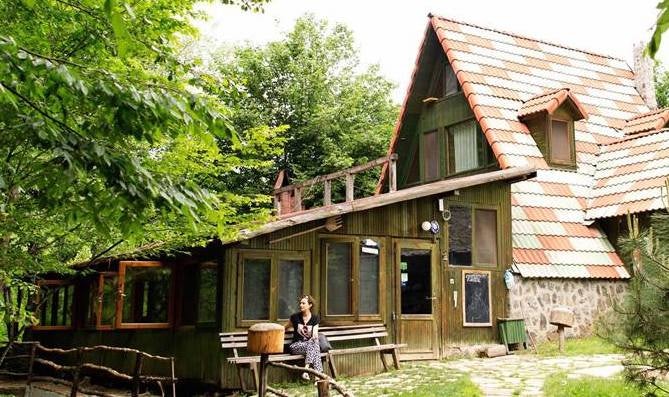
(397, 317)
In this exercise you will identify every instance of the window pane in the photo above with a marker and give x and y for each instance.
(430, 155)
(338, 278)
(146, 292)
(369, 277)
(256, 288)
(463, 153)
(108, 300)
(486, 237)
(560, 148)
(208, 286)
(291, 285)
(460, 236)
(416, 281)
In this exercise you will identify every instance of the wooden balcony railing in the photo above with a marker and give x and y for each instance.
(288, 199)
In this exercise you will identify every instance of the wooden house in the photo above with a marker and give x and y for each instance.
(510, 153)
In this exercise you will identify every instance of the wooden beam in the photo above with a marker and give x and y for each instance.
(392, 177)
(434, 188)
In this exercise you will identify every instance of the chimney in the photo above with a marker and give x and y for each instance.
(643, 76)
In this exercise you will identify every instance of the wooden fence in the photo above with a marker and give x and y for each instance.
(35, 354)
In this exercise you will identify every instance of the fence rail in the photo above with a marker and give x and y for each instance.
(75, 372)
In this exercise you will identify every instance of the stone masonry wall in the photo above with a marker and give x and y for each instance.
(533, 300)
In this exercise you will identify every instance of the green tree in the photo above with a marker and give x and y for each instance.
(661, 25)
(337, 114)
(640, 326)
(106, 142)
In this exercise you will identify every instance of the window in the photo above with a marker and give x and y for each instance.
(467, 148)
(444, 82)
(431, 158)
(102, 301)
(54, 304)
(353, 275)
(270, 283)
(560, 142)
(145, 295)
(472, 236)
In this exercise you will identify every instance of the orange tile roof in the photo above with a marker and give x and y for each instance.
(651, 121)
(549, 101)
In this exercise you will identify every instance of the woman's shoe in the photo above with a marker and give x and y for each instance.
(305, 375)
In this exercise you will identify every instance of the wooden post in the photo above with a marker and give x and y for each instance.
(297, 200)
(174, 379)
(327, 192)
(139, 358)
(265, 338)
(33, 352)
(323, 388)
(350, 185)
(392, 173)
(77, 373)
(561, 338)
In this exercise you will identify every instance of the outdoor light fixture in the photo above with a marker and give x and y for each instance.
(430, 226)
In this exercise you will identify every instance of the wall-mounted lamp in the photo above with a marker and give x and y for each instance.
(430, 226)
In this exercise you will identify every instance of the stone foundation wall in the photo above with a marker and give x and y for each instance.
(533, 300)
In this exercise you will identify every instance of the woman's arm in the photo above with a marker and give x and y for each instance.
(314, 332)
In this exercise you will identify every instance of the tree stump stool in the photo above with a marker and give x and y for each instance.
(561, 317)
(265, 339)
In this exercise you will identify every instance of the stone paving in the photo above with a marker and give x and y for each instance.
(513, 375)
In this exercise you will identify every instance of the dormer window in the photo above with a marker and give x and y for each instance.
(550, 118)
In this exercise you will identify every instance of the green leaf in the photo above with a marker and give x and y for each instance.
(28, 3)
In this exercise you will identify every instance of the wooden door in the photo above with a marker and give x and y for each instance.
(416, 298)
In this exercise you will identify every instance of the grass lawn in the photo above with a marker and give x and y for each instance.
(558, 385)
(576, 347)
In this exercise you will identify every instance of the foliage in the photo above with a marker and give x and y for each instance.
(337, 115)
(107, 143)
(661, 25)
(641, 325)
(661, 77)
(558, 385)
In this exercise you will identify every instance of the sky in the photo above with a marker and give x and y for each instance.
(389, 32)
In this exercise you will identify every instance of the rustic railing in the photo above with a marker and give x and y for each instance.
(75, 372)
(294, 192)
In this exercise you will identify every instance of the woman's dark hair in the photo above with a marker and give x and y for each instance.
(309, 298)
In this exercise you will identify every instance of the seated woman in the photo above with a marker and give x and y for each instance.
(305, 335)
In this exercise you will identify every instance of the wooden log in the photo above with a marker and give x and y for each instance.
(392, 176)
(561, 338)
(323, 387)
(495, 351)
(265, 338)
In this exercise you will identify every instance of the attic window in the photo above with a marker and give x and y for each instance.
(560, 144)
(550, 118)
(444, 82)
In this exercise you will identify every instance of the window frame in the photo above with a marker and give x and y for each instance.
(98, 302)
(464, 297)
(478, 137)
(439, 155)
(571, 163)
(274, 257)
(56, 284)
(472, 208)
(119, 324)
(354, 316)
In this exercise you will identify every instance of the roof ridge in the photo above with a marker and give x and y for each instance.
(431, 15)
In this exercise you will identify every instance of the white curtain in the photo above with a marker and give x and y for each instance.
(465, 148)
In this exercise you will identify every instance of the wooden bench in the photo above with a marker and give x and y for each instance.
(373, 332)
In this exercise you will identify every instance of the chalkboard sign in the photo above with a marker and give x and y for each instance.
(476, 308)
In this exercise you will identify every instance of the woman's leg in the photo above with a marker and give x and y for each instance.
(311, 351)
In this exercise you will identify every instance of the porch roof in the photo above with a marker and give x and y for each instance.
(366, 203)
